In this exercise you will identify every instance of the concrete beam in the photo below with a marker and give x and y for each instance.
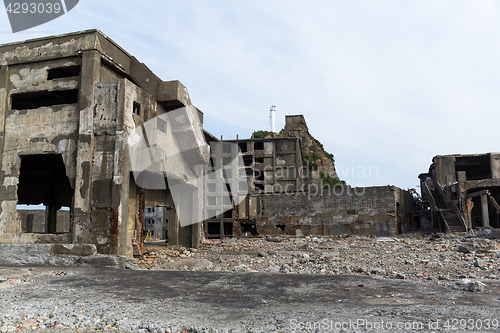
(143, 76)
(477, 194)
(172, 95)
(495, 166)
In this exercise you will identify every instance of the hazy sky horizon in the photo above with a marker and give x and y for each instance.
(384, 85)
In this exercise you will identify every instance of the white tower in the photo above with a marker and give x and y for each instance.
(272, 118)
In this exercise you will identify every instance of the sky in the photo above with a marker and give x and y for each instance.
(384, 85)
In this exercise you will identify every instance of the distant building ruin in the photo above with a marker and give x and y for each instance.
(462, 192)
(156, 222)
(288, 196)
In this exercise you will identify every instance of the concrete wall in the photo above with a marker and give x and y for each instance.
(74, 96)
(358, 211)
(38, 218)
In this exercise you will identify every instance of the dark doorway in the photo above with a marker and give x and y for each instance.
(43, 180)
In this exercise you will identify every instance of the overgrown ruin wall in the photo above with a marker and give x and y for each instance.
(381, 211)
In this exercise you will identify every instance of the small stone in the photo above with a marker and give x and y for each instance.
(476, 286)
(261, 253)
(479, 263)
(272, 253)
(273, 269)
(306, 246)
(463, 249)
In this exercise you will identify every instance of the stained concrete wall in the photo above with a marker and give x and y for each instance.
(356, 211)
(90, 129)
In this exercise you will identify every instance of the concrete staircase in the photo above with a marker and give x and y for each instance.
(451, 219)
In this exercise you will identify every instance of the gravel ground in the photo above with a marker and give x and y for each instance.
(444, 258)
(414, 283)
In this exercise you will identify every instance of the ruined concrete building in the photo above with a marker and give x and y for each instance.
(69, 105)
(269, 165)
(156, 222)
(287, 196)
(462, 192)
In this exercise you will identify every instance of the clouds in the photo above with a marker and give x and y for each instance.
(387, 83)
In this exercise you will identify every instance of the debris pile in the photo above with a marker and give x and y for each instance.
(442, 258)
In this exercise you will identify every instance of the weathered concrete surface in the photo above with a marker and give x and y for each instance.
(358, 211)
(50, 254)
(73, 249)
(22, 254)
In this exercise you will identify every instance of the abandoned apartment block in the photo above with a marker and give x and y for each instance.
(263, 166)
(68, 107)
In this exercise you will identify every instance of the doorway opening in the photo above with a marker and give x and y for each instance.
(44, 194)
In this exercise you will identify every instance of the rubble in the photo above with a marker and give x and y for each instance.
(417, 257)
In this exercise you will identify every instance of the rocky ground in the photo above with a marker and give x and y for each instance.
(432, 282)
(453, 260)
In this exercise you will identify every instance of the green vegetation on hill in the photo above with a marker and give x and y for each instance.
(330, 181)
(260, 134)
(327, 154)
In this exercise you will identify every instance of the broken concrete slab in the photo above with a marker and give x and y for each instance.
(74, 249)
(40, 254)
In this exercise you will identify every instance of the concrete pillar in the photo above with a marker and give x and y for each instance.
(91, 63)
(199, 200)
(173, 222)
(50, 219)
(4, 83)
(484, 210)
(449, 181)
(462, 192)
(298, 165)
(122, 229)
(141, 205)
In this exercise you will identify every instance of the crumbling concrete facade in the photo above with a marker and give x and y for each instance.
(68, 107)
(462, 192)
(264, 166)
